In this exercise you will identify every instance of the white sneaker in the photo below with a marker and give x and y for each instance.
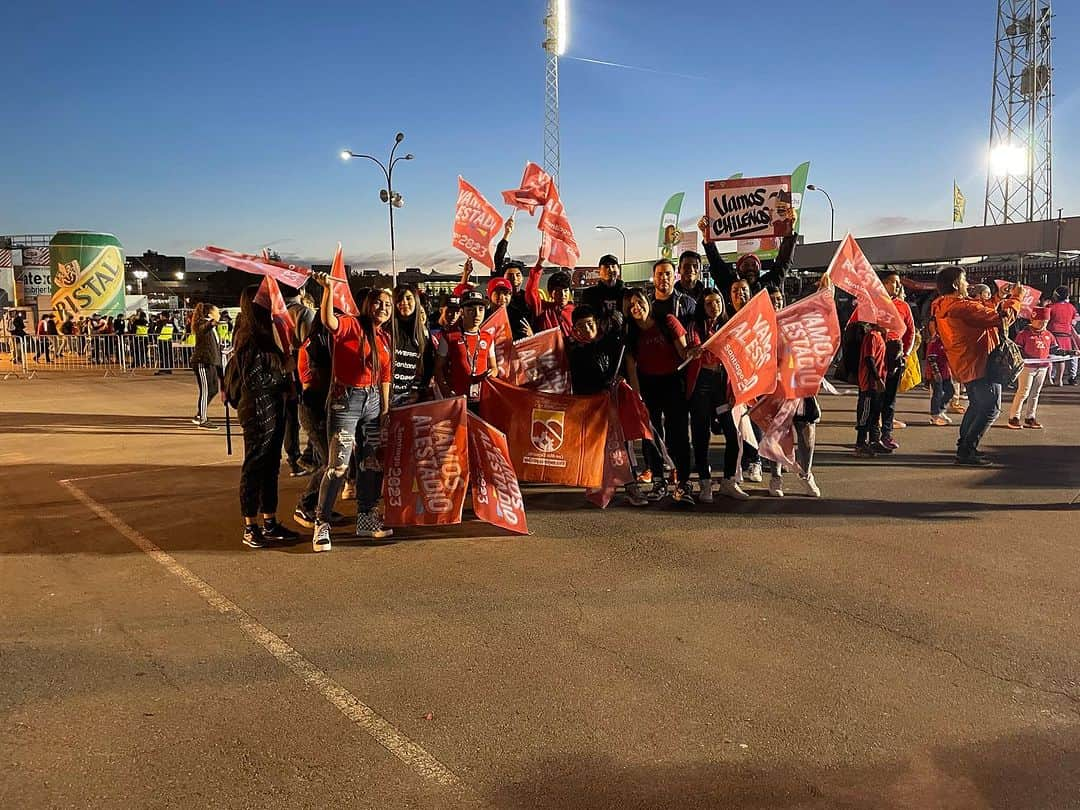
(809, 485)
(776, 485)
(939, 420)
(729, 488)
(705, 491)
(753, 473)
(320, 541)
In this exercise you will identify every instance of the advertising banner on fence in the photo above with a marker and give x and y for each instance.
(748, 208)
(7, 279)
(87, 274)
(809, 335)
(426, 464)
(553, 439)
(747, 346)
(540, 363)
(852, 272)
(475, 224)
(496, 497)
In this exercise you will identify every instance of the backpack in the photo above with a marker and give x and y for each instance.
(1005, 362)
(233, 386)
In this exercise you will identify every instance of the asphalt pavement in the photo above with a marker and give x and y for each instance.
(907, 641)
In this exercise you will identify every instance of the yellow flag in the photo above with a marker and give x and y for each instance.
(958, 203)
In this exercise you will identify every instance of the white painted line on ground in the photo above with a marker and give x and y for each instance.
(143, 471)
(377, 726)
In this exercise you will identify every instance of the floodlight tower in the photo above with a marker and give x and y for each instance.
(556, 25)
(1018, 180)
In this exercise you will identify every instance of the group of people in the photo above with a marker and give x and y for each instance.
(338, 374)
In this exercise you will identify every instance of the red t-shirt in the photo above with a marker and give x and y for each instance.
(873, 347)
(354, 365)
(467, 355)
(1035, 345)
(655, 352)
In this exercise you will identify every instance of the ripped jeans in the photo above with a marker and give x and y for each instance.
(352, 416)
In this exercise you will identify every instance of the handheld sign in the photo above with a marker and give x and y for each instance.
(748, 207)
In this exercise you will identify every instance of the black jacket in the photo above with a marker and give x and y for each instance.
(593, 366)
(772, 270)
(207, 351)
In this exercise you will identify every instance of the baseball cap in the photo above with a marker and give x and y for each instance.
(472, 298)
(499, 284)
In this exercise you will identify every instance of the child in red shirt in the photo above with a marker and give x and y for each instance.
(1037, 343)
(872, 373)
(940, 377)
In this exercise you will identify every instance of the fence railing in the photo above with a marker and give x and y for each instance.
(26, 357)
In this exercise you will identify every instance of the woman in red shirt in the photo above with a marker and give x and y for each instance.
(655, 348)
(358, 406)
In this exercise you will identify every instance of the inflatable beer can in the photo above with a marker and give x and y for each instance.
(87, 274)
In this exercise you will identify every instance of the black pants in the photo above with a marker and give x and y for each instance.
(669, 412)
(869, 417)
(893, 350)
(164, 348)
(312, 415)
(263, 435)
(708, 395)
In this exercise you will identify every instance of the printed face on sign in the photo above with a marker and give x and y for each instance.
(749, 208)
(547, 429)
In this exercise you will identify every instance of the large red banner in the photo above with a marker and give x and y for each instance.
(747, 346)
(534, 190)
(540, 363)
(809, 335)
(852, 272)
(475, 223)
(553, 438)
(426, 464)
(343, 297)
(497, 326)
(293, 275)
(496, 496)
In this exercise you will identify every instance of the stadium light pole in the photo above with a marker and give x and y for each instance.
(623, 235)
(388, 195)
(832, 209)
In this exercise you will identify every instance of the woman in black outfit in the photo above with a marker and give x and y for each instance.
(205, 360)
(710, 409)
(261, 368)
(414, 355)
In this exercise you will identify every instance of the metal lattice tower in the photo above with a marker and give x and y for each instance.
(551, 91)
(1021, 115)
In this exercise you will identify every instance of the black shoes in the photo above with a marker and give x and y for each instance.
(253, 536)
(275, 532)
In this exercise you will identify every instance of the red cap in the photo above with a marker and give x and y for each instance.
(499, 283)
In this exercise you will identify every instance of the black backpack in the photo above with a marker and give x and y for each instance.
(234, 381)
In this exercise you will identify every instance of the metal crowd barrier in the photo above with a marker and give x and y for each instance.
(26, 357)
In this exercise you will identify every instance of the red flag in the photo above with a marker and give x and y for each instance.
(633, 415)
(475, 223)
(1028, 302)
(426, 464)
(809, 335)
(558, 244)
(343, 298)
(540, 363)
(617, 470)
(498, 326)
(535, 186)
(746, 345)
(269, 297)
(852, 272)
(553, 438)
(292, 275)
(496, 495)
(775, 416)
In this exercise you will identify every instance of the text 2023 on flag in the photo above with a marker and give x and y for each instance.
(475, 223)
(852, 272)
(426, 464)
(809, 335)
(496, 495)
(747, 346)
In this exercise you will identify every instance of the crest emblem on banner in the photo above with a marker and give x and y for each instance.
(547, 429)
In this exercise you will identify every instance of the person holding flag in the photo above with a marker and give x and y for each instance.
(262, 382)
(556, 313)
(359, 404)
(749, 267)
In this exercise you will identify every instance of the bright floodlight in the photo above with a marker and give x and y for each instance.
(562, 27)
(1008, 159)
(345, 154)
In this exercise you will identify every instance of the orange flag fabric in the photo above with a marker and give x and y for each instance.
(552, 438)
(852, 272)
(776, 418)
(496, 497)
(534, 190)
(540, 363)
(426, 463)
(497, 325)
(747, 346)
(269, 297)
(343, 298)
(475, 223)
(617, 470)
(558, 244)
(809, 335)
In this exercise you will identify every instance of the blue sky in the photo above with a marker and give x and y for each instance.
(201, 123)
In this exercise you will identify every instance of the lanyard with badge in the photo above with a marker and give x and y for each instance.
(474, 385)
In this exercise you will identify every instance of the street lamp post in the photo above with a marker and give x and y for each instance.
(388, 195)
(832, 209)
(139, 276)
(623, 235)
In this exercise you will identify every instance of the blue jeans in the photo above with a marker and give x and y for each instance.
(941, 393)
(984, 406)
(352, 423)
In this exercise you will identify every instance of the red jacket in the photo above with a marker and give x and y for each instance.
(546, 314)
